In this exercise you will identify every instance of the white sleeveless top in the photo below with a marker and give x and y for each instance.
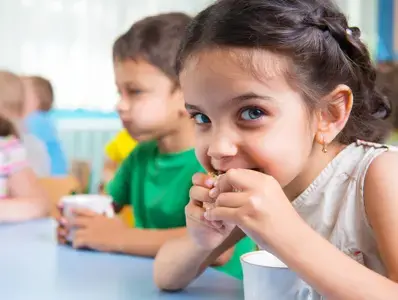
(333, 205)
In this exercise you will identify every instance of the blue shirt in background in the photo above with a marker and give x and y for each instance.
(41, 125)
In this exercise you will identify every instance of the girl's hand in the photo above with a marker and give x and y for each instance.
(206, 234)
(257, 204)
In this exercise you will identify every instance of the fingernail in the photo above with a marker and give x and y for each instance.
(63, 221)
(206, 214)
(213, 193)
(210, 182)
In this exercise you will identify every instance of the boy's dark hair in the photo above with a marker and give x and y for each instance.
(44, 91)
(314, 34)
(155, 39)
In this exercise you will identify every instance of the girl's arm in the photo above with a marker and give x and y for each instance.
(26, 200)
(334, 274)
(180, 261)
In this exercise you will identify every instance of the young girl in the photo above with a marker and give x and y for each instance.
(21, 198)
(13, 102)
(283, 93)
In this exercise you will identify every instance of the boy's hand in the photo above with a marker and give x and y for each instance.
(62, 228)
(97, 231)
(257, 204)
(206, 234)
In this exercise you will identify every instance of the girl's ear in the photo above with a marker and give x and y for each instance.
(333, 116)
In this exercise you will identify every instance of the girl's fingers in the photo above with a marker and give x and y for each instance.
(232, 199)
(196, 213)
(224, 214)
(200, 194)
(203, 180)
(236, 180)
(194, 210)
(216, 224)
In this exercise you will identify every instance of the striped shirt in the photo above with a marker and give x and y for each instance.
(12, 160)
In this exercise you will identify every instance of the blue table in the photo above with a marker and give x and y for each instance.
(33, 266)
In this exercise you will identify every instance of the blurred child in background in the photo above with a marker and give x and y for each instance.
(40, 99)
(21, 198)
(156, 177)
(13, 101)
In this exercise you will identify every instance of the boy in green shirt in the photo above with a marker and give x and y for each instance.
(155, 179)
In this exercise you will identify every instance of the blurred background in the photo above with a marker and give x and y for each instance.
(70, 42)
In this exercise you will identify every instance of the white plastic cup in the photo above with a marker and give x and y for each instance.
(100, 204)
(265, 277)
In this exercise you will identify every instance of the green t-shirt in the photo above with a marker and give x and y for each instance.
(156, 185)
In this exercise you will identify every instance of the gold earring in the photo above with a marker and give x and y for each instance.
(324, 145)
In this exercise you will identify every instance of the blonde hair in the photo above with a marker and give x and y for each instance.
(12, 95)
(44, 91)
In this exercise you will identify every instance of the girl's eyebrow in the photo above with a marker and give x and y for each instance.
(249, 96)
(243, 97)
(190, 106)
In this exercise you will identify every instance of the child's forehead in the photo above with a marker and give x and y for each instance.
(239, 62)
(230, 72)
(137, 70)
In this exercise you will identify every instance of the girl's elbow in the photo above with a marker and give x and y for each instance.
(167, 285)
(165, 282)
(163, 276)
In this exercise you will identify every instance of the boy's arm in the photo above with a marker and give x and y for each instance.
(147, 242)
(98, 232)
